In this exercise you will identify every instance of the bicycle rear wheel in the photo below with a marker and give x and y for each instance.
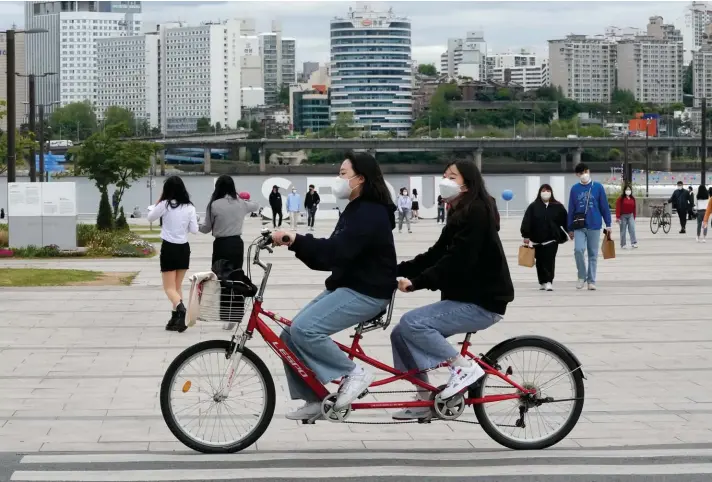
(667, 222)
(654, 224)
(539, 421)
(197, 410)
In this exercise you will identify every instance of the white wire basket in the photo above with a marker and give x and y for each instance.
(222, 301)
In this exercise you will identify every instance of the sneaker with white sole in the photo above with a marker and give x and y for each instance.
(592, 287)
(580, 284)
(460, 379)
(542, 286)
(415, 413)
(549, 287)
(306, 412)
(352, 387)
(635, 245)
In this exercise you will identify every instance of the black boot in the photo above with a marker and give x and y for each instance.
(179, 325)
(172, 322)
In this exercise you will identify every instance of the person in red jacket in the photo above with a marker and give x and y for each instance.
(625, 216)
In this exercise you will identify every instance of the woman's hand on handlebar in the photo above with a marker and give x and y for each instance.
(283, 238)
(405, 285)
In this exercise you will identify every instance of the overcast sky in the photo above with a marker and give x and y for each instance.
(507, 25)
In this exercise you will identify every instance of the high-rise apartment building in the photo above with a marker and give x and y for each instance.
(69, 49)
(584, 67)
(308, 68)
(697, 16)
(278, 62)
(466, 57)
(702, 71)
(651, 66)
(523, 68)
(21, 92)
(371, 70)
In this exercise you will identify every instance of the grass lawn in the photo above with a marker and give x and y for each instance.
(146, 231)
(61, 277)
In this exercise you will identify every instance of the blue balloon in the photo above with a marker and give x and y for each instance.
(507, 195)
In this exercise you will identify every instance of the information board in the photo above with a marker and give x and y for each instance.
(24, 199)
(59, 199)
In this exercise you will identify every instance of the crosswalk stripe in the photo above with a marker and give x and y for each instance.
(360, 471)
(360, 455)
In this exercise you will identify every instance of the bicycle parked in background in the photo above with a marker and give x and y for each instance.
(659, 218)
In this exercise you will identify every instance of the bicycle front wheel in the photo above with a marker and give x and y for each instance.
(199, 410)
(667, 222)
(654, 224)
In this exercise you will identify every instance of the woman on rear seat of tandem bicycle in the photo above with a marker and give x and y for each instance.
(468, 265)
(361, 256)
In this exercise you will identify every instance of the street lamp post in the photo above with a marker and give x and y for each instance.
(703, 154)
(31, 78)
(647, 157)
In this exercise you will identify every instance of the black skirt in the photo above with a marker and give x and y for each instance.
(230, 248)
(174, 257)
(415, 206)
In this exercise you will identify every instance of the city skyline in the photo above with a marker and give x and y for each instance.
(506, 25)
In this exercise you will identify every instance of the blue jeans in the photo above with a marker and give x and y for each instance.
(628, 223)
(587, 240)
(420, 339)
(309, 336)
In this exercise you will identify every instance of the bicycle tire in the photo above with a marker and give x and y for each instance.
(654, 224)
(189, 441)
(667, 222)
(477, 391)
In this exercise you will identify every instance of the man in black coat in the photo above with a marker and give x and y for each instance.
(680, 200)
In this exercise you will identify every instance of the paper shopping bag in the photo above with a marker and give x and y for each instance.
(526, 256)
(608, 247)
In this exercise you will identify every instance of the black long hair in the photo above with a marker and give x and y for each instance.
(627, 186)
(546, 187)
(476, 191)
(702, 192)
(224, 187)
(374, 187)
(175, 193)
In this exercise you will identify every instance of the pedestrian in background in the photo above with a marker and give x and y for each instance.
(311, 204)
(680, 200)
(544, 225)
(2, 213)
(703, 197)
(415, 206)
(441, 210)
(588, 209)
(404, 205)
(275, 202)
(294, 201)
(691, 204)
(177, 212)
(625, 216)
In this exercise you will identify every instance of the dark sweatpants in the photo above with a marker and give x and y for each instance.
(545, 261)
(683, 218)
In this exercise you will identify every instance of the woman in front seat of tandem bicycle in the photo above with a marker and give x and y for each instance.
(468, 265)
(361, 256)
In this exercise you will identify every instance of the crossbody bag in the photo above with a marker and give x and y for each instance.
(579, 218)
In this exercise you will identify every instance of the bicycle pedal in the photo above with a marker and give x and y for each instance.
(363, 394)
(425, 420)
(308, 422)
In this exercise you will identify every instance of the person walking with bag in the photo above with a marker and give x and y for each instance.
(625, 216)
(588, 210)
(311, 204)
(404, 205)
(544, 226)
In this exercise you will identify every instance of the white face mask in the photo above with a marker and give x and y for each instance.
(545, 196)
(628, 192)
(680, 188)
(585, 177)
(341, 188)
(449, 189)
(294, 191)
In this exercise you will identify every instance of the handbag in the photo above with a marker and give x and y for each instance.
(526, 256)
(579, 218)
(608, 247)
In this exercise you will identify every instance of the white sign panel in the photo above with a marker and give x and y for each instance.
(59, 199)
(24, 199)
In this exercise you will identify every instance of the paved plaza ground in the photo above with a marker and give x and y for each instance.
(80, 370)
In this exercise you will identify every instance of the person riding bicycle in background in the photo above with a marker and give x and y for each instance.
(469, 267)
(361, 256)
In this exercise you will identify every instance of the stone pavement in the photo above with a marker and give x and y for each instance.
(80, 368)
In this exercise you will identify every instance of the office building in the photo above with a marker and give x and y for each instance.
(615, 34)
(466, 57)
(309, 108)
(697, 17)
(278, 62)
(584, 67)
(21, 92)
(69, 47)
(524, 68)
(371, 71)
(651, 66)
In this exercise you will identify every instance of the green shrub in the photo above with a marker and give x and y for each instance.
(4, 236)
(121, 223)
(105, 218)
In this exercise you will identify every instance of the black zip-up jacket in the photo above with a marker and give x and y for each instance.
(542, 223)
(311, 200)
(275, 201)
(467, 263)
(360, 253)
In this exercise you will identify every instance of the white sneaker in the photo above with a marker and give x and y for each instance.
(697, 238)
(461, 378)
(580, 284)
(542, 286)
(704, 240)
(229, 326)
(625, 247)
(591, 287)
(412, 413)
(635, 245)
(352, 387)
(549, 287)
(306, 412)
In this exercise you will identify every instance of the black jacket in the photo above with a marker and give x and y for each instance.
(360, 253)
(543, 223)
(680, 200)
(312, 199)
(467, 263)
(275, 201)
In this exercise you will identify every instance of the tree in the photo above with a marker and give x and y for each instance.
(283, 97)
(104, 218)
(218, 126)
(73, 121)
(23, 143)
(203, 125)
(427, 69)
(121, 119)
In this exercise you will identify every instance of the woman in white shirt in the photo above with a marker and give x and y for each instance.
(179, 219)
